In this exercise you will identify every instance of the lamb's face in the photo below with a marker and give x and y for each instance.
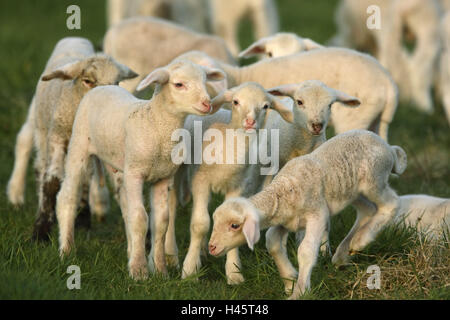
(187, 86)
(312, 106)
(249, 103)
(283, 44)
(229, 219)
(102, 70)
(98, 70)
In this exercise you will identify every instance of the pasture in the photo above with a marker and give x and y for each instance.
(411, 267)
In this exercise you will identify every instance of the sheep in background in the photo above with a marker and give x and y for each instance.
(413, 71)
(138, 150)
(444, 65)
(350, 168)
(226, 15)
(144, 44)
(345, 70)
(190, 13)
(50, 119)
(279, 45)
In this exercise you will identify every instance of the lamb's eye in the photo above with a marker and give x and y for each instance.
(235, 226)
(300, 102)
(89, 83)
(235, 102)
(266, 106)
(179, 85)
(270, 54)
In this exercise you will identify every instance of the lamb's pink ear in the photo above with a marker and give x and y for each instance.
(224, 97)
(346, 99)
(158, 76)
(259, 47)
(213, 74)
(311, 45)
(286, 90)
(281, 108)
(66, 72)
(251, 229)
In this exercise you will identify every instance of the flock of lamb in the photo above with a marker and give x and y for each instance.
(84, 126)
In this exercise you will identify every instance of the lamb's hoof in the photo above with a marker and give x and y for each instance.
(138, 271)
(340, 261)
(83, 219)
(172, 261)
(41, 230)
(235, 278)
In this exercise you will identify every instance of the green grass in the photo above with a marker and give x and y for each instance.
(411, 268)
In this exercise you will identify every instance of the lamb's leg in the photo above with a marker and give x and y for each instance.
(124, 209)
(137, 221)
(159, 221)
(200, 222)
(364, 211)
(49, 188)
(67, 200)
(276, 238)
(308, 251)
(386, 201)
(22, 151)
(98, 191)
(171, 240)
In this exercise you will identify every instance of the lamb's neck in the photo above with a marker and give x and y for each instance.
(303, 134)
(233, 74)
(267, 203)
(160, 111)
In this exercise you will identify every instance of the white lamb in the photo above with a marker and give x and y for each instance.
(144, 44)
(250, 103)
(226, 15)
(413, 71)
(137, 150)
(350, 168)
(279, 45)
(190, 13)
(345, 70)
(50, 118)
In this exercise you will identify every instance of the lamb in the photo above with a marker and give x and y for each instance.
(50, 119)
(350, 168)
(190, 13)
(346, 70)
(413, 71)
(279, 45)
(226, 15)
(145, 43)
(138, 150)
(250, 103)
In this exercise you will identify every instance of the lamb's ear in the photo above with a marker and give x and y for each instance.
(281, 108)
(251, 229)
(259, 47)
(346, 99)
(66, 72)
(286, 90)
(224, 97)
(126, 73)
(158, 76)
(213, 74)
(311, 45)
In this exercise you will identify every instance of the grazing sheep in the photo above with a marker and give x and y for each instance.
(350, 168)
(51, 117)
(138, 150)
(346, 70)
(413, 71)
(280, 45)
(226, 15)
(144, 44)
(190, 13)
(249, 103)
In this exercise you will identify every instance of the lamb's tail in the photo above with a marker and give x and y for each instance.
(387, 115)
(400, 160)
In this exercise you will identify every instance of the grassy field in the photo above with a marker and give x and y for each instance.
(411, 268)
